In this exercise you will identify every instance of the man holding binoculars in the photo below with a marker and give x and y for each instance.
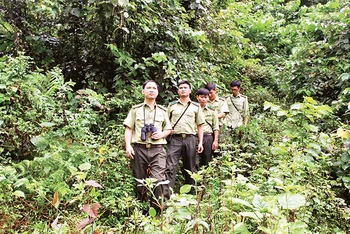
(146, 127)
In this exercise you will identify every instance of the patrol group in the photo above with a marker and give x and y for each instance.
(157, 136)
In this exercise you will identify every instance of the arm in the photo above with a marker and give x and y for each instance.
(128, 147)
(245, 120)
(215, 129)
(200, 138)
(216, 140)
(221, 115)
(246, 112)
(159, 135)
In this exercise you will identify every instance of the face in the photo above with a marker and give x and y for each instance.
(235, 91)
(184, 90)
(202, 99)
(150, 91)
(212, 94)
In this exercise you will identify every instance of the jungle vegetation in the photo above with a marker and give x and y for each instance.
(71, 70)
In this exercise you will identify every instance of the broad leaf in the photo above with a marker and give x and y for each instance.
(18, 193)
(85, 166)
(291, 201)
(93, 184)
(185, 189)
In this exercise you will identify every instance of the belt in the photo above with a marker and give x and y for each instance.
(207, 134)
(183, 135)
(148, 145)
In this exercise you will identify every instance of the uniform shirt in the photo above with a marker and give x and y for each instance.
(239, 109)
(211, 120)
(189, 121)
(142, 113)
(220, 106)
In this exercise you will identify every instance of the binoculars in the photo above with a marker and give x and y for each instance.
(147, 128)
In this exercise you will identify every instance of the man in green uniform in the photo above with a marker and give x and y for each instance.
(238, 106)
(210, 128)
(146, 127)
(218, 103)
(187, 119)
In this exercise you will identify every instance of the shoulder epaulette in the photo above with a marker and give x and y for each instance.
(138, 105)
(172, 103)
(221, 99)
(162, 107)
(195, 103)
(211, 107)
(243, 96)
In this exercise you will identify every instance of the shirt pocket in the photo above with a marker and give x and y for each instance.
(208, 117)
(158, 122)
(139, 119)
(190, 114)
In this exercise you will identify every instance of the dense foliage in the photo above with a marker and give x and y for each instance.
(70, 71)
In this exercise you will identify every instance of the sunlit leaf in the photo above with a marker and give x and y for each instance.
(240, 201)
(102, 150)
(18, 193)
(7, 26)
(240, 228)
(152, 212)
(313, 128)
(345, 134)
(275, 108)
(278, 150)
(185, 189)
(21, 182)
(183, 214)
(258, 202)
(85, 166)
(2, 177)
(310, 100)
(123, 2)
(255, 215)
(267, 105)
(296, 106)
(281, 113)
(291, 201)
(345, 77)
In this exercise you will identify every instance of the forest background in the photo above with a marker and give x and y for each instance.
(71, 70)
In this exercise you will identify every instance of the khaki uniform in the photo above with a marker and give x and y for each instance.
(211, 124)
(183, 142)
(150, 155)
(142, 113)
(239, 110)
(220, 106)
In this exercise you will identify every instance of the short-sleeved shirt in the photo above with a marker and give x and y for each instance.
(189, 121)
(143, 114)
(239, 109)
(211, 120)
(220, 106)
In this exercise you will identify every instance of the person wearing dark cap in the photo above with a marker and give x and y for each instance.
(238, 106)
(187, 121)
(146, 127)
(210, 128)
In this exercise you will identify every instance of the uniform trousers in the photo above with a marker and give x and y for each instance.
(207, 154)
(149, 162)
(186, 147)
